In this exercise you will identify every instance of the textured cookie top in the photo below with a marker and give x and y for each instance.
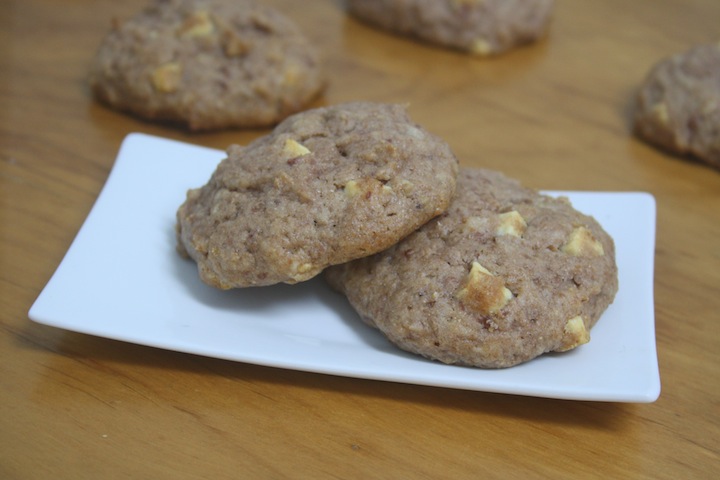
(327, 186)
(678, 104)
(505, 275)
(207, 64)
(479, 27)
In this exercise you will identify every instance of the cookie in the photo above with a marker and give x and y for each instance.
(479, 27)
(327, 186)
(503, 276)
(678, 104)
(207, 64)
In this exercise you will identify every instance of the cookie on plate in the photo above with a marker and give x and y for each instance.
(503, 276)
(479, 27)
(678, 104)
(328, 185)
(207, 64)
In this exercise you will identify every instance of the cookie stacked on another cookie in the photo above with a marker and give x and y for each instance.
(505, 275)
(327, 186)
(479, 27)
(207, 64)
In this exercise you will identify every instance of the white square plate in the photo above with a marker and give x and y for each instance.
(122, 279)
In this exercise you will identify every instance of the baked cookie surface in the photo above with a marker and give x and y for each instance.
(207, 64)
(504, 275)
(678, 104)
(326, 186)
(479, 27)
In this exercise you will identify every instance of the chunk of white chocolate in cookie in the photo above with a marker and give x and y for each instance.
(660, 111)
(293, 149)
(480, 47)
(581, 243)
(351, 188)
(166, 77)
(574, 335)
(299, 270)
(197, 24)
(484, 291)
(511, 223)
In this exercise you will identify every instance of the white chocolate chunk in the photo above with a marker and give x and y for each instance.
(166, 77)
(511, 223)
(574, 335)
(294, 149)
(197, 24)
(480, 47)
(352, 188)
(301, 267)
(582, 243)
(660, 111)
(484, 291)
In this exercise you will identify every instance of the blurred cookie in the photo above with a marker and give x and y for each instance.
(326, 186)
(505, 275)
(207, 64)
(678, 104)
(479, 27)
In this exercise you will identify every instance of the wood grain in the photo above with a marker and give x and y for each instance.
(555, 115)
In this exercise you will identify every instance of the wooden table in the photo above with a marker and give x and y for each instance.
(554, 115)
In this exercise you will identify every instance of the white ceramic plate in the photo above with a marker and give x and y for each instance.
(122, 279)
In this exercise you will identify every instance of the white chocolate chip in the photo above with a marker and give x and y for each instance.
(484, 291)
(480, 47)
(582, 243)
(294, 149)
(511, 223)
(660, 111)
(302, 267)
(292, 75)
(574, 334)
(352, 188)
(166, 77)
(197, 24)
